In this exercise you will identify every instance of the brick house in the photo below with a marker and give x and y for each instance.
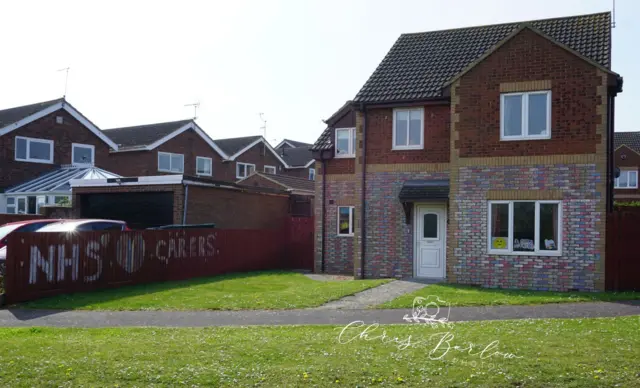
(49, 141)
(477, 155)
(626, 158)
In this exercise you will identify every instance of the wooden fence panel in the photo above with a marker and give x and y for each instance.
(46, 264)
(622, 259)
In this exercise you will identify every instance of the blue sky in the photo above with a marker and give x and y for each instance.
(139, 62)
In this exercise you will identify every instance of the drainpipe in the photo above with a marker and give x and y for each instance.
(363, 231)
(324, 207)
(611, 159)
(184, 207)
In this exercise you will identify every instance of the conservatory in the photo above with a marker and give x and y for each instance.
(48, 189)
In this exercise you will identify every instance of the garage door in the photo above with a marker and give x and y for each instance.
(139, 210)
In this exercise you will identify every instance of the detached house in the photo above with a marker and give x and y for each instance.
(477, 155)
(42, 147)
(627, 161)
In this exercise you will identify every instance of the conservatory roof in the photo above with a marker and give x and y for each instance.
(58, 180)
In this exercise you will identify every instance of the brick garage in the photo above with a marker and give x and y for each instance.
(227, 205)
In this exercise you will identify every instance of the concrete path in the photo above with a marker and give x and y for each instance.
(57, 318)
(375, 296)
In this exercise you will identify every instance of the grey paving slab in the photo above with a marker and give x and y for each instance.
(375, 296)
(57, 318)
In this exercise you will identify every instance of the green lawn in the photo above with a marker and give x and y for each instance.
(459, 295)
(561, 353)
(258, 290)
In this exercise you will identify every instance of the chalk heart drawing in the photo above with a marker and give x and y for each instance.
(130, 252)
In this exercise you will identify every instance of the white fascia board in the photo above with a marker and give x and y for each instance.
(257, 141)
(143, 180)
(83, 120)
(30, 119)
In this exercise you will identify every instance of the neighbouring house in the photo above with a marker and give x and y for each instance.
(149, 201)
(300, 162)
(42, 147)
(302, 190)
(627, 159)
(248, 154)
(478, 155)
(287, 143)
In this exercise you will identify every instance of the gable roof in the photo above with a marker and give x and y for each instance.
(149, 136)
(629, 139)
(232, 145)
(420, 64)
(325, 141)
(297, 157)
(286, 181)
(14, 118)
(236, 146)
(292, 143)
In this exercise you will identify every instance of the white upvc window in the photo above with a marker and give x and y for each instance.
(11, 205)
(312, 174)
(270, 169)
(525, 116)
(243, 170)
(525, 228)
(33, 150)
(168, 162)
(628, 179)
(345, 220)
(408, 129)
(204, 166)
(82, 154)
(345, 142)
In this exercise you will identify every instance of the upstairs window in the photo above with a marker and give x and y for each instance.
(82, 154)
(525, 116)
(408, 129)
(203, 166)
(628, 179)
(34, 150)
(243, 170)
(168, 162)
(345, 142)
(312, 174)
(270, 169)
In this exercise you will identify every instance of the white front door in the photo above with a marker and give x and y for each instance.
(430, 247)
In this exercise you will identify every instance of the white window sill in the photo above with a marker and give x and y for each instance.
(626, 188)
(349, 156)
(522, 138)
(345, 235)
(506, 253)
(407, 148)
(171, 172)
(202, 174)
(35, 161)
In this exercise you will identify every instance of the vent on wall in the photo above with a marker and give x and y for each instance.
(59, 119)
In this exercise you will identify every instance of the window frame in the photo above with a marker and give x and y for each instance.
(537, 251)
(312, 173)
(238, 176)
(264, 169)
(525, 116)
(13, 205)
(73, 154)
(396, 147)
(28, 151)
(626, 170)
(210, 160)
(352, 143)
(170, 170)
(351, 221)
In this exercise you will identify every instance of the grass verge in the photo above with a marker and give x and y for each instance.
(550, 353)
(460, 295)
(257, 290)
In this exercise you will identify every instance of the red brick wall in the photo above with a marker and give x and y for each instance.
(297, 172)
(379, 137)
(341, 166)
(145, 163)
(13, 172)
(529, 57)
(625, 157)
(233, 209)
(258, 155)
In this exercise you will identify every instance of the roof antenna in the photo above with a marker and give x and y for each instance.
(613, 18)
(264, 131)
(66, 80)
(195, 106)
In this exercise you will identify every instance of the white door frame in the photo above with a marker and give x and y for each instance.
(437, 205)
